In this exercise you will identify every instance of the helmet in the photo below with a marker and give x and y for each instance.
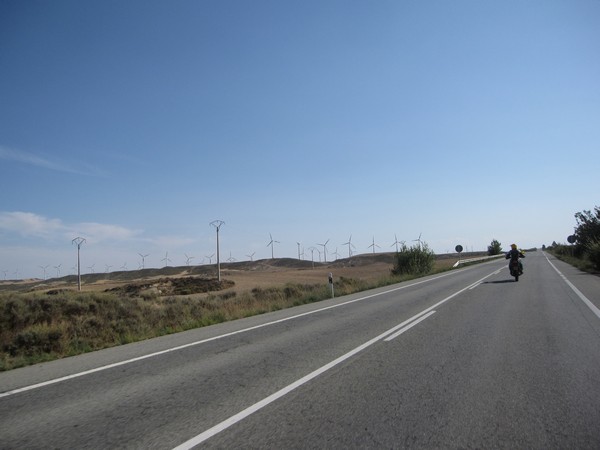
(513, 246)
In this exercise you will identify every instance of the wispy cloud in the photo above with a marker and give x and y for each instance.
(20, 156)
(29, 224)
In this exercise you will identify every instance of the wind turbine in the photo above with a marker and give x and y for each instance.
(5, 272)
(373, 245)
(124, 266)
(210, 258)
(57, 270)
(188, 259)
(251, 256)
(312, 255)
(271, 243)
(143, 259)
(107, 268)
(396, 243)
(418, 240)
(324, 249)
(336, 254)
(231, 258)
(350, 245)
(298, 250)
(91, 268)
(166, 259)
(44, 269)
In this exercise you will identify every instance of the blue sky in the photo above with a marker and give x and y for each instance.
(135, 124)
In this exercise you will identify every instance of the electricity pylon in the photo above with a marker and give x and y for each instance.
(217, 224)
(78, 241)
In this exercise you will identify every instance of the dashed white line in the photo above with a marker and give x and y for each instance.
(408, 327)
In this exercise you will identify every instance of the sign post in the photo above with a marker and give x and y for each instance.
(459, 249)
(331, 284)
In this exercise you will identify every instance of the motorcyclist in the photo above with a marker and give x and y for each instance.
(514, 254)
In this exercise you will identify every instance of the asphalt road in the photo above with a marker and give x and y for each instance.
(465, 359)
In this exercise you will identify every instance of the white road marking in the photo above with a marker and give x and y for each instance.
(408, 327)
(203, 341)
(583, 298)
(286, 390)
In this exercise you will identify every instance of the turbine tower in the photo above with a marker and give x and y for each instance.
(272, 244)
(166, 259)
(298, 250)
(396, 243)
(188, 259)
(350, 245)
(78, 241)
(373, 245)
(218, 224)
(324, 249)
(336, 254)
(143, 260)
(44, 269)
(418, 240)
(312, 255)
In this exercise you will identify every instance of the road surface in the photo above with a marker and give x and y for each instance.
(467, 358)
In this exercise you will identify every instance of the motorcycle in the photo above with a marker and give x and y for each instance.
(514, 268)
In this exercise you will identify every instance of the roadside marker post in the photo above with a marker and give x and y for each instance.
(331, 284)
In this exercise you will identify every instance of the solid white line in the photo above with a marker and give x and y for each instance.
(203, 341)
(583, 298)
(408, 327)
(286, 390)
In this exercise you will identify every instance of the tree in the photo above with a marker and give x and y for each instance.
(588, 227)
(495, 248)
(587, 235)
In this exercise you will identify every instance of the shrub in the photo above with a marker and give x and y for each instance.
(415, 260)
(593, 253)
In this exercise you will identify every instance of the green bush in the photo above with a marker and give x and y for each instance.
(415, 260)
(593, 253)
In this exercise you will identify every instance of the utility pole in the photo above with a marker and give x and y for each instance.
(78, 241)
(218, 224)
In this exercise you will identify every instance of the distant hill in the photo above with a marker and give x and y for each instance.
(209, 270)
